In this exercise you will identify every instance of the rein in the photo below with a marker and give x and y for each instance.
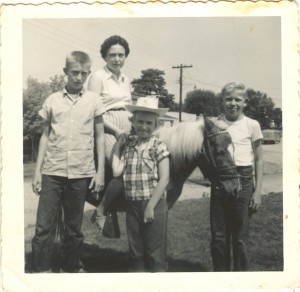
(206, 151)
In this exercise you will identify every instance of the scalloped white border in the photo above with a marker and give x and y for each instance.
(12, 261)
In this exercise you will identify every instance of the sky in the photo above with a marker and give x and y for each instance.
(219, 49)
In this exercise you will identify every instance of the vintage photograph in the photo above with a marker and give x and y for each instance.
(151, 142)
(226, 68)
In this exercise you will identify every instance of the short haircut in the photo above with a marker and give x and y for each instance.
(111, 41)
(143, 112)
(78, 56)
(230, 87)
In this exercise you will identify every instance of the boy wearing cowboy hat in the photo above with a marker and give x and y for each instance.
(144, 163)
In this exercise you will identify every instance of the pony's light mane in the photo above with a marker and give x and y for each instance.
(184, 141)
(219, 123)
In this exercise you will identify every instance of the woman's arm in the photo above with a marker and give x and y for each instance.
(255, 202)
(113, 130)
(163, 174)
(37, 179)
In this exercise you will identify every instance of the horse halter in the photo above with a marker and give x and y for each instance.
(207, 154)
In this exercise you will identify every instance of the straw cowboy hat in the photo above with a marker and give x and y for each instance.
(147, 104)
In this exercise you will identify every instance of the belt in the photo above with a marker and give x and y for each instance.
(116, 109)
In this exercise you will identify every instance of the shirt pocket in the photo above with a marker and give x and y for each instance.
(87, 140)
(55, 160)
(148, 164)
(88, 164)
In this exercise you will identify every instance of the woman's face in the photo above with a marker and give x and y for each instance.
(115, 58)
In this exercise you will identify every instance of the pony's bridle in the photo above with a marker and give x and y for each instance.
(207, 153)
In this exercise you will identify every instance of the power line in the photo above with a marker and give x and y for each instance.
(180, 86)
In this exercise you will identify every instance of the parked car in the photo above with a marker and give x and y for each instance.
(271, 136)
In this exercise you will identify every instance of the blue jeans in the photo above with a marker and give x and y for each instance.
(70, 194)
(229, 222)
(147, 241)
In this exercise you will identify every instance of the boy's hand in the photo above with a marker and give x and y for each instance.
(255, 203)
(37, 183)
(97, 182)
(149, 214)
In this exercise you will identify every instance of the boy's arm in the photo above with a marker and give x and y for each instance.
(98, 180)
(255, 202)
(163, 174)
(37, 179)
(117, 163)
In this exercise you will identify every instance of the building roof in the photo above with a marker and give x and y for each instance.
(185, 117)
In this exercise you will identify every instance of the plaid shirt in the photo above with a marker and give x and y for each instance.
(140, 172)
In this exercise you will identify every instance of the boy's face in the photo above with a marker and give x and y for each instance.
(234, 104)
(115, 58)
(144, 124)
(76, 74)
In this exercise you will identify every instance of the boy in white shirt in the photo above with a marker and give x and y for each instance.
(229, 216)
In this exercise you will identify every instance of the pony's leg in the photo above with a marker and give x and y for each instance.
(175, 186)
(174, 190)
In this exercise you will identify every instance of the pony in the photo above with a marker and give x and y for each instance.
(205, 144)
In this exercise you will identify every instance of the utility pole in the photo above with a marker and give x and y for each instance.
(180, 86)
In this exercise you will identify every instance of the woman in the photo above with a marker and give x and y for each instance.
(115, 90)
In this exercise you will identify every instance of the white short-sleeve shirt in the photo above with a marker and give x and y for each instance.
(115, 93)
(243, 133)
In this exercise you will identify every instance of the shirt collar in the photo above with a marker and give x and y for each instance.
(134, 141)
(80, 94)
(232, 122)
(109, 74)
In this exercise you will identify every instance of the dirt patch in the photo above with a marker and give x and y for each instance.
(272, 168)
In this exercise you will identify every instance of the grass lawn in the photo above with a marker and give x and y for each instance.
(188, 240)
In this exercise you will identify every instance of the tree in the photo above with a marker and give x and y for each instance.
(152, 82)
(260, 107)
(33, 97)
(201, 101)
(278, 117)
(168, 101)
(57, 83)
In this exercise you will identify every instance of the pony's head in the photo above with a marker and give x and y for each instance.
(216, 159)
(206, 144)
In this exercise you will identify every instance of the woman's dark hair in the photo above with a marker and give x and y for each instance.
(114, 40)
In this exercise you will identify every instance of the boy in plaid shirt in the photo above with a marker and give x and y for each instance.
(144, 162)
